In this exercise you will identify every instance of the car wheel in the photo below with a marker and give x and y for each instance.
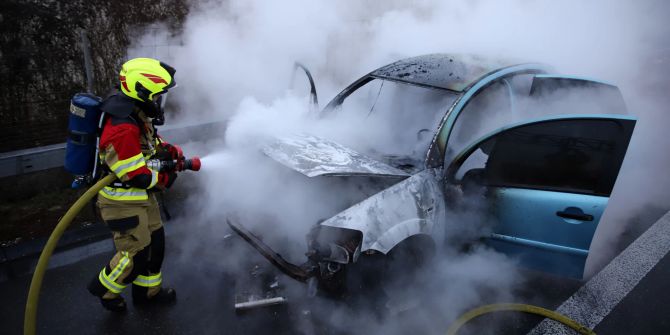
(375, 279)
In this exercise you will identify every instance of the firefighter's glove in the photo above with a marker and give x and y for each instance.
(175, 151)
(166, 179)
(162, 154)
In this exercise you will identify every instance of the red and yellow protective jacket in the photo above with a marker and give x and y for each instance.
(126, 144)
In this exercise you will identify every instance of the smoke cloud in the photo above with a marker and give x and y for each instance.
(234, 62)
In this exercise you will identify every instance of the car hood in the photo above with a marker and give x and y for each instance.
(314, 156)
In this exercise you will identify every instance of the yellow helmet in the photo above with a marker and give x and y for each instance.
(143, 78)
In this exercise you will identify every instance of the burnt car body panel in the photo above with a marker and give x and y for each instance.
(410, 207)
(314, 156)
(451, 72)
(556, 238)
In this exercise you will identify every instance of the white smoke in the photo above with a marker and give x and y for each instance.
(234, 61)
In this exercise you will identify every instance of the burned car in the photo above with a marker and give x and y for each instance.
(545, 148)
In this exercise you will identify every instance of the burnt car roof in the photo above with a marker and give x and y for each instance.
(445, 71)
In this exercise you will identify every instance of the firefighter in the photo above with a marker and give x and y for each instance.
(129, 206)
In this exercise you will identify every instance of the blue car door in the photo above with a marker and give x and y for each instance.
(548, 183)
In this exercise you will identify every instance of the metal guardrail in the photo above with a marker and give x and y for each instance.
(19, 162)
(30, 160)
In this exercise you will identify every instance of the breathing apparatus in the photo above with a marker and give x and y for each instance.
(144, 83)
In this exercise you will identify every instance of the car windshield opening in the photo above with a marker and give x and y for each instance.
(393, 122)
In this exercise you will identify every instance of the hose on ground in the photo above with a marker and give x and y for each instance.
(473, 313)
(30, 318)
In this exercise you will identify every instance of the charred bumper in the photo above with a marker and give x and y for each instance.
(330, 249)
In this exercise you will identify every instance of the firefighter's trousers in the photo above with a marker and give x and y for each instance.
(139, 239)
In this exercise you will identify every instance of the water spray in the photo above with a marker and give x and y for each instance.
(214, 161)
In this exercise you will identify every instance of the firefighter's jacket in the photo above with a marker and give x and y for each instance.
(128, 140)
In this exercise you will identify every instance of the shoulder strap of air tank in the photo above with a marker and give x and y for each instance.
(139, 123)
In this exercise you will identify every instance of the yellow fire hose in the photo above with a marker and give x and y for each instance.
(473, 313)
(30, 319)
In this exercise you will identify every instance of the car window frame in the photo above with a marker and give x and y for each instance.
(452, 169)
(436, 153)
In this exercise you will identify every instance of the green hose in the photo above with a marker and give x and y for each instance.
(473, 313)
(30, 319)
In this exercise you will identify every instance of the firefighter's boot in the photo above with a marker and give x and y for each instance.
(153, 296)
(110, 301)
(117, 304)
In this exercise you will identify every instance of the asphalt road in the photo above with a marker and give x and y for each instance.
(207, 287)
(206, 296)
(205, 304)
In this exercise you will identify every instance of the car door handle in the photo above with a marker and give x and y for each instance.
(575, 216)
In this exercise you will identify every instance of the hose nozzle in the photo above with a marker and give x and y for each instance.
(192, 164)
